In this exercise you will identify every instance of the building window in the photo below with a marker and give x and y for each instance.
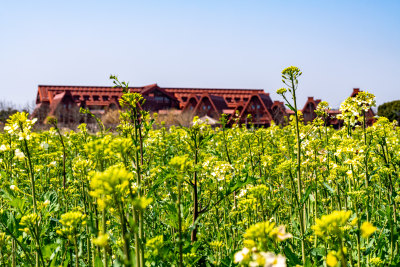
(76, 97)
(86, 97)
(162, 99)
(96, 98)
(105, 97)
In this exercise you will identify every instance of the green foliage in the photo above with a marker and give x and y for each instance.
(134, 191)
(390, 110)
(5, 113)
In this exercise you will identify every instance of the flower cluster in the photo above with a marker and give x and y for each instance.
(367, 229)
(260, 238)
(291, 71)
(349, 111)
(353, 107)
(281, 91)
(19, 124)
(112, 184)
(331, 224)
(101, 240)
(30, 221)
(254, 258)
(322, 109)
(71, 223)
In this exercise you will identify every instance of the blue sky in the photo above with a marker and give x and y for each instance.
(222, 44)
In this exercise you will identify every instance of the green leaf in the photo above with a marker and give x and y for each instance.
(290, 107)
(241, 184)
(159, 182)
(306, 195)
(308, 263)
(67, 260)
(318, 252)
(275, 208)
(329, 188)
(370, 247)
(47, 250)
(292, 258)
(55, 252)
(11, 223)
(98, 262)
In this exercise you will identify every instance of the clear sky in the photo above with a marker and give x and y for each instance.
(222, 44)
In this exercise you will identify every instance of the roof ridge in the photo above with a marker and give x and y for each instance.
(155, 84)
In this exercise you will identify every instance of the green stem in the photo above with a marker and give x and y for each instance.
(299, 183)
(124, 234)
(76, 252)
(104, 225)
(180, 223)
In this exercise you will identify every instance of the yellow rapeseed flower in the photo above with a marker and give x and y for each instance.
(111, 184)
(71, 222)
(367, 229)
(259, 230)
(155, 244)
(292, 70)
(3, 239)
(354, 221)
(376, 261)
(281, 91)
(331, 259)
(101, 240)
(216, 244)
(331, 225)
(180, 163)
(29, 220)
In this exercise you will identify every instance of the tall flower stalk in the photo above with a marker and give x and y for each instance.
(19, 125)
(53, 121)
(132, 123)
(290, 77)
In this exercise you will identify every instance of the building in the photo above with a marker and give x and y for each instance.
(64, 102)
(240, 105)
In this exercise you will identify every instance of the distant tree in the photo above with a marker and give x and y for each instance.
(8, 108)
(5, 113)
(390, 110)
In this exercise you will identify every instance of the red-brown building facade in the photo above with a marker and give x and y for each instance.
(64, 101)
(241, 105)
